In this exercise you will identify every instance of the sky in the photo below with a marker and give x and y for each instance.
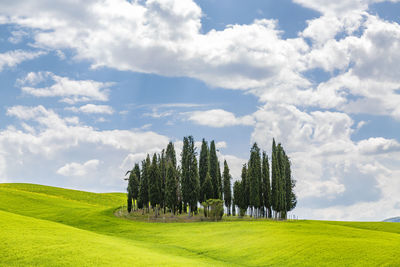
(88, 88)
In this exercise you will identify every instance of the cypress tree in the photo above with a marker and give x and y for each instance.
(227, 188)
(163, 176)
(281, 182)
(190, 174)
(254, 175)
(290, 183)
(171, 191)
(155, 184)
(220, 184)
(208, 188)
(266, 185)
(129, 189)
(245, 187)
(144, 184)
(214, 170)
(170, 155)
(185, 181)
(133, 189)
(136, 169)
(204, 163)
(239, 197)
(274, 178)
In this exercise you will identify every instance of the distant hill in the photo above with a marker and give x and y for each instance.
(48, 226)
(394, 219)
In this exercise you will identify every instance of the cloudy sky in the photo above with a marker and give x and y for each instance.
(87, 89)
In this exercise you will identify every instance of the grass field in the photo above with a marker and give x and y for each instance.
(47, 226)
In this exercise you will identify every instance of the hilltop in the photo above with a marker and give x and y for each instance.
(47, 226)
(394, 219)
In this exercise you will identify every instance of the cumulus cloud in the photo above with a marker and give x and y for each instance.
(125, 35)
(77, 169)
(219, 118)
(46, 138)
(13, 58)
(92, 109)
(70, 91)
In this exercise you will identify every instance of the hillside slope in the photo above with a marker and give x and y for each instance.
(42, 225)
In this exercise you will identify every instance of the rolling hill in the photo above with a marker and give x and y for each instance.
(47, 226)
(395, 219)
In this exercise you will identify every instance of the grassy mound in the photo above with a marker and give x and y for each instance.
(49, 226)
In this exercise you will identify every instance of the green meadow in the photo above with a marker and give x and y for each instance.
(48, 226)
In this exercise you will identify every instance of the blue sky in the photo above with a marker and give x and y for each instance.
(88, 89)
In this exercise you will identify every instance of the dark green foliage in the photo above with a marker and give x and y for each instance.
(291, 199)
(208, 188)
(170, 154)
(219, 180)
(245, 186)
(143, 198)
(214, 169)
(254, 176)
(266, 185)
(204, 163)
(281, 204)
(227, 188)
(154, 183)
(163, 176)
(136, 170)
(171, 190)
(161, 182)
(133, 188)
(275, 174)
(129, 198)
(190, 175)
(239, 198)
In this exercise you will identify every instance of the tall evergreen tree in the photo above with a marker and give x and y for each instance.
(171, 191)
(227, 188)
(281, 204)
(266, 185)
(214, 169)
(239, 197)
(204, 163)
(254, 175)
(144, 184)
(245, 187)
(275, 174)
(129, 189)
(208, 188)
(155, 184)
(190, 174)
(220, 184)
(163, 177)
(290, 183)
(136, 170)
(170, 154)
(133, 189)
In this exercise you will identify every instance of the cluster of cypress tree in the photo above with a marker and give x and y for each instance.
(260, 195)
(161, 184)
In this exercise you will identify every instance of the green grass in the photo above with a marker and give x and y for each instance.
(47, 226)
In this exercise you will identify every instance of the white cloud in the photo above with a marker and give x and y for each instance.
(77, 169)
(125, 35)
(378, 145)
(13, 58)
(92, 109)
(71, 91)
(46, 139)
(218, 118)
